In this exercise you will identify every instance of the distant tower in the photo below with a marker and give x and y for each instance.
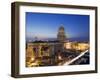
(61, 34)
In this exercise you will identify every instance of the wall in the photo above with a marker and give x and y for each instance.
(5, 40)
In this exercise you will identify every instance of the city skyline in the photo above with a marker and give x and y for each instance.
(46, 25)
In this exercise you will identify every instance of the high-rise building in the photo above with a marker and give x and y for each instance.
(61, 36)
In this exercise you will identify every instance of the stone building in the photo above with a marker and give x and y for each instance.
(46, 52)
(61, 36)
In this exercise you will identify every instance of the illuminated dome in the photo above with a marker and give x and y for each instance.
(61, 27)
(61, 34)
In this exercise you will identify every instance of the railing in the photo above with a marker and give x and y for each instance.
(76, 58)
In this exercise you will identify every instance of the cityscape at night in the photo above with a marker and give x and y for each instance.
(56, 39)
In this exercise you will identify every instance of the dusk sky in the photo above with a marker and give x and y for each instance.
(46, 25)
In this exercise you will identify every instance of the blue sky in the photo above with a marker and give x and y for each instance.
(46, 25)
